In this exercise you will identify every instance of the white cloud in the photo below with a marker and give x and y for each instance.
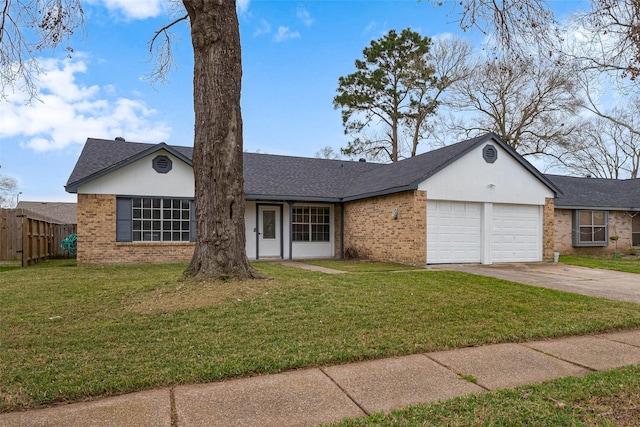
(137, 9)
(67, 112)
(305, 17)
(243, 5)
(284, 33)
(263, 28)
(371, 26)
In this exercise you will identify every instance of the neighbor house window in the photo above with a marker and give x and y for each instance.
(147, 219)
(590, 228)
(311, 224)
(635, 230)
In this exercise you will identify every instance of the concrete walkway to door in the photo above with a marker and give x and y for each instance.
(595, 282)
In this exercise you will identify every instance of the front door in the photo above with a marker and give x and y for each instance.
(269, 233)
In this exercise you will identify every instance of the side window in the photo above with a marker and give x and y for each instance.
(590, 228)
(635, 230)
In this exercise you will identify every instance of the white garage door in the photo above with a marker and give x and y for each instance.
(453, 232)
(516, 234)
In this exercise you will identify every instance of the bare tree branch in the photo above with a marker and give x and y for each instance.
(162, 53)
(27, 28)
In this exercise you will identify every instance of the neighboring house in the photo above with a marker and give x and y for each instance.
(589, 211)
(57, 212)
(477, 201)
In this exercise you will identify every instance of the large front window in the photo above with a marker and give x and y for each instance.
(590, 228)
(311, 224)
(160, 220)
(635, 230)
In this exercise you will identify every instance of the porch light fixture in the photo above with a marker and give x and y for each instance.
(394, 215)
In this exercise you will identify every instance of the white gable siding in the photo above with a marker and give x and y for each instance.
(472, 179)
(139, 178)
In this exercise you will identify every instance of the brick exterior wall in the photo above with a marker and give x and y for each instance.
(371, 232)
(97, 237)
(336, 230)
(548, 230)
(619, 224)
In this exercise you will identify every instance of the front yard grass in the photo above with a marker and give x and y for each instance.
(70, 333)
(608, 262)
(360, 266)
(610, 398)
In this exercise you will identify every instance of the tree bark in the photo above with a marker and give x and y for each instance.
(217, 150)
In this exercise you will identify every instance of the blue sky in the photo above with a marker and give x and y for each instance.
(293, 54)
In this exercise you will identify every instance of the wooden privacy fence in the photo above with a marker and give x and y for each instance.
(28, 237)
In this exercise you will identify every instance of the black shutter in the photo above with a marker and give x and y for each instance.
(123, 220)
(192, 220)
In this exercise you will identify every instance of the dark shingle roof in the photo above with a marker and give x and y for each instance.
(269, 176)
(58, 212)
(579, 192)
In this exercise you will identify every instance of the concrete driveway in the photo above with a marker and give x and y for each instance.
(609, 284)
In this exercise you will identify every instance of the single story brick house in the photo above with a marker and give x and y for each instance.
(589, 211)
(476, 201)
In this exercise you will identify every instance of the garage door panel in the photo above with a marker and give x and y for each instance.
(453, 232)
(516, 233)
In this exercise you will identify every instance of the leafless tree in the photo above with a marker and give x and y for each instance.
(609, 30)
(529, 104)
(327, 153)
(607, 147)
(609, 37)
(8, 187)
(27, 28)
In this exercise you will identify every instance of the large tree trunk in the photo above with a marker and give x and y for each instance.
(217, 150)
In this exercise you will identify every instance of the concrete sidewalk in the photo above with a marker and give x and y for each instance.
(322, 395)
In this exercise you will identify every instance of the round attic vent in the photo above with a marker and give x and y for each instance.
(162, 164)
(489, 153)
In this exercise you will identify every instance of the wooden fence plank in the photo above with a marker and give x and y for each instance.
(30, 237)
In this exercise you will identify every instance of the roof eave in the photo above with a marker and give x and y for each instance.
(289, 198)
(600, 208)
(380, 193)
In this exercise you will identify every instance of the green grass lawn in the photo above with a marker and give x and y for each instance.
(627, 264)
(358, 266)
(69, 332)
(610, 398)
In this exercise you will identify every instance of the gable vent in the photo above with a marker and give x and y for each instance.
(162, 164)
(489, 153)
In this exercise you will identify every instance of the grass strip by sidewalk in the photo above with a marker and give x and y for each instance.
(69, 333)
(628, 265)
(610, 398)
